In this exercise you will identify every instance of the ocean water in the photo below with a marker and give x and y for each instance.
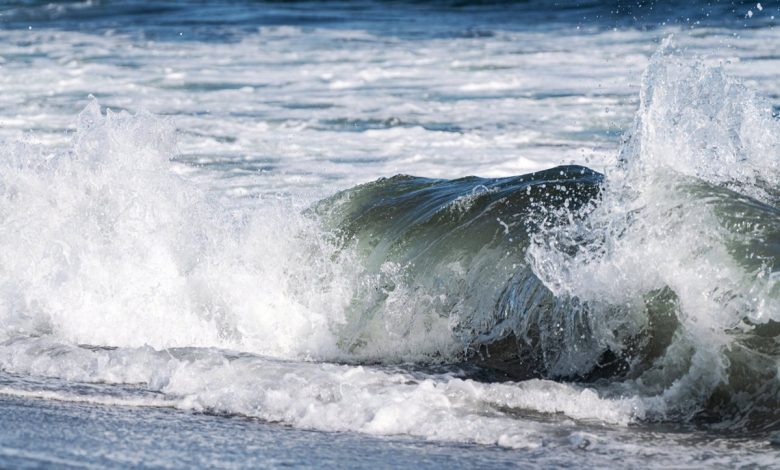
(324, 234)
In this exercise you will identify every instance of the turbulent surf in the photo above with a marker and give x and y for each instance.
(492, 310)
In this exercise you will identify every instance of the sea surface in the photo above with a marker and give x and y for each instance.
(389, 234)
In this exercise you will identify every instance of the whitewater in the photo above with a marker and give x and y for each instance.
(264, 220)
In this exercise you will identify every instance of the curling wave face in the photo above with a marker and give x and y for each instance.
(650, 293)
(455, 250)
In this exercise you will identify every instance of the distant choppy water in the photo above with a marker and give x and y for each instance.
(190, 221)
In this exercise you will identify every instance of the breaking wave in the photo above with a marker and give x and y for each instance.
(649, 293)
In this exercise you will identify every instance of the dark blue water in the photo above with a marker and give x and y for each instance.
(229, 20)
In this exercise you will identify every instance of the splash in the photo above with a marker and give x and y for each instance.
(689, 219)
(104, 244)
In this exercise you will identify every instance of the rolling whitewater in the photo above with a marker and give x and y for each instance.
(255, 228)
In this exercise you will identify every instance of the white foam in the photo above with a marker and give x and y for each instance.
(315, 395)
